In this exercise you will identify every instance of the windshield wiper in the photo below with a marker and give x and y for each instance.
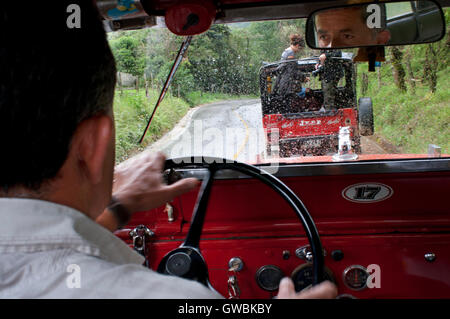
(178, 59)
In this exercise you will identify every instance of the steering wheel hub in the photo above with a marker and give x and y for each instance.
(178, 264)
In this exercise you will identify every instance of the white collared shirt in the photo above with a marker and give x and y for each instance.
(53, 251)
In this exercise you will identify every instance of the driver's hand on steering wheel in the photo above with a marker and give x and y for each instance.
(139, 186)
(324, 290)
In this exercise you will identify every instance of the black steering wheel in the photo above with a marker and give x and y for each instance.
(187, 262)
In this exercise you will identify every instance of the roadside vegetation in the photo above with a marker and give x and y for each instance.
(131, 112)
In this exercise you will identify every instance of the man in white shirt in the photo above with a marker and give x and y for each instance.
(56, 93)
(296, 44)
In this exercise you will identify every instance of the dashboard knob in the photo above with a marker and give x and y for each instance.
(337, 255)
(235, 264)
(430, 257)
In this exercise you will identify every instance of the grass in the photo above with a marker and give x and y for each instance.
(132, 110)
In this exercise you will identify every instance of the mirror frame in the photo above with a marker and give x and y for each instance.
(310, 26)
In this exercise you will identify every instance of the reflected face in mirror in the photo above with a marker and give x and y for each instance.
(347, 27)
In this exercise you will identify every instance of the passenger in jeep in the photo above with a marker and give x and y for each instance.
(297, 44)
(57, 124)
(289, 86)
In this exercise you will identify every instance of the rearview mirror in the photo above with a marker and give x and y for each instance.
(371, 24)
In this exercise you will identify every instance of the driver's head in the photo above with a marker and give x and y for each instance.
(347, 27)
(56, 92)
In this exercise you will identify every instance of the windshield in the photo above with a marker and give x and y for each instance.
(254, 92)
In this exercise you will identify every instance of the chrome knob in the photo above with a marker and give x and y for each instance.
(306, 254)
(430, 257)
(235, 264)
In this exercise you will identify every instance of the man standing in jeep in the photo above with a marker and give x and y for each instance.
(330, 72)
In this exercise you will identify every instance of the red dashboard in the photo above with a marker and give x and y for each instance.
(399, 237)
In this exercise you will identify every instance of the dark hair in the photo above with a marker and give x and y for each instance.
(297, 39)
(52, 77)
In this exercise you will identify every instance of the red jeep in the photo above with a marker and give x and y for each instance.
(295, 120)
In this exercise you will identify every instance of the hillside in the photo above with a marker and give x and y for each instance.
(412, 119)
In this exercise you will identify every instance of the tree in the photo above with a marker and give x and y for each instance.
(225, 59)
(411, 78)
(364, 83)
(183, 81)
(398, 70)
(430, 68)
(213, 59)
(129, 56)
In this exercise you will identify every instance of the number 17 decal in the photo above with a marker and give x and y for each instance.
(367, 192)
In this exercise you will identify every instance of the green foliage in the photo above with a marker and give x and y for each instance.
(413, 119)
(129, 55)
(226, 59)
(270, 38)
(183, 81)
(218, 65)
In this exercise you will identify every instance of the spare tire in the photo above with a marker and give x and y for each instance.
(365, 116)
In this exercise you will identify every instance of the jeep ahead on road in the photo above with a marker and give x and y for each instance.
(294, 117)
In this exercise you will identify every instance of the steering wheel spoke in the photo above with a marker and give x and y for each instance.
(187, 261)
(198, 216)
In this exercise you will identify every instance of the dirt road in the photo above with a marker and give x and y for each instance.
(230, 129)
